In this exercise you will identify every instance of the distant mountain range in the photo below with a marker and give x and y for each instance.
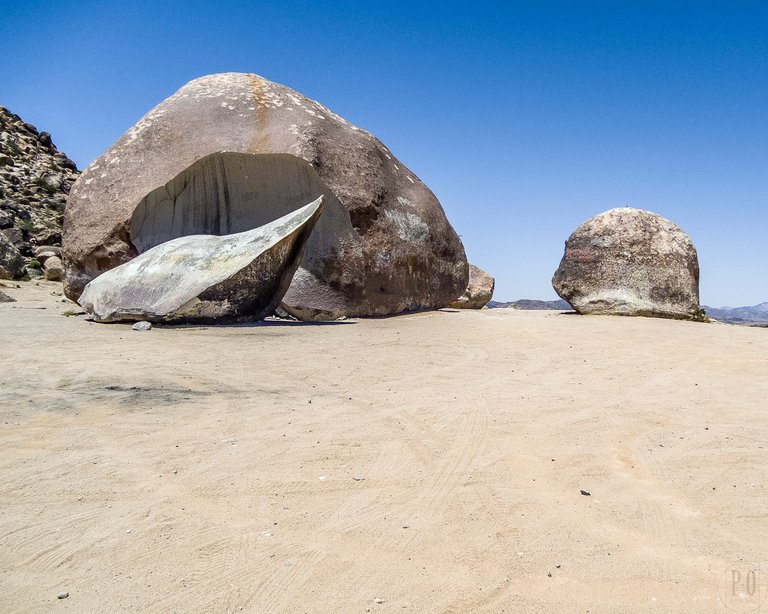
(526, 303)
(757, 314)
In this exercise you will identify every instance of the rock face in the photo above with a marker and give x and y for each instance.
(35, 179)
(230, 152)
(629, 262)
(11, 261)
(206, 278)
(479, 290)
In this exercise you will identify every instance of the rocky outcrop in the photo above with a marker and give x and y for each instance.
(35, 179)
(230, 152)
(629, 262)
(11, 261)
(206, 278)
(479, 290)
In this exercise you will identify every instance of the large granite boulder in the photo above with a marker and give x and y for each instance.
(206, 278)
(479, 290)
(230, 152)
(629, 262)
(11, 260)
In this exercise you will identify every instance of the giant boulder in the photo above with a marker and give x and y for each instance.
(230, 152)
(479, 290)
(629, 262)
(206, 278)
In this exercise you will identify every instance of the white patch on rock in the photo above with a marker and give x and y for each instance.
(407, 226)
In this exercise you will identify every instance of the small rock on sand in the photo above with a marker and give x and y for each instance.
(143, 325)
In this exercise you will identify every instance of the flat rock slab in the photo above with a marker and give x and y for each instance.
(206, 278)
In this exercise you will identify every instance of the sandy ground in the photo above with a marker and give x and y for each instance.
(425, 463)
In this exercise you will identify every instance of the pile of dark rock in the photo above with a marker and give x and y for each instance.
(35, 179)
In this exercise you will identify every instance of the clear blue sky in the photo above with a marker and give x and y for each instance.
(524, 118)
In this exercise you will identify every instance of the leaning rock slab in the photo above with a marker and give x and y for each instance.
(230, 152)
(479, 290)
(629, 262)
(205, 278)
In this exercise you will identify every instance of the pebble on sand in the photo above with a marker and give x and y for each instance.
(143, 325)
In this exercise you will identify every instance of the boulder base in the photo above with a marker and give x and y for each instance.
(629, 262)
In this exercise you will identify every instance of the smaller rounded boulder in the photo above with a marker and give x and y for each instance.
(479, 290)
(629, 262)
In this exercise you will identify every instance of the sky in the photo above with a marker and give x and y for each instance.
(524, 118)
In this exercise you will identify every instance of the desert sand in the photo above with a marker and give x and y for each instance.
(425, 463)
